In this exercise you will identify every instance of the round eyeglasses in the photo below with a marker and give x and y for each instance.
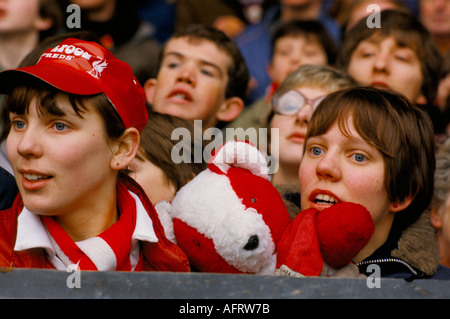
(291, 102)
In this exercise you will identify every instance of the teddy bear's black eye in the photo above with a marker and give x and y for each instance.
(253, 200)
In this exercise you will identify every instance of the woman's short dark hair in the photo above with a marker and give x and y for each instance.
(401, 131)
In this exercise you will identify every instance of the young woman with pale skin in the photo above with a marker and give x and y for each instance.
(338, 168)
(74, 206)
(58, 173)
(356, 150)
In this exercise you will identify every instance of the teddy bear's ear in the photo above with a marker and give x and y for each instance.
(241, 154)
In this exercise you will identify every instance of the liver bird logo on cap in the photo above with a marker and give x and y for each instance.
(97, 68)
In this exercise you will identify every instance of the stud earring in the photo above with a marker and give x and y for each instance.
(395, 205)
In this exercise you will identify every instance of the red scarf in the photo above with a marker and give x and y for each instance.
(116, 238)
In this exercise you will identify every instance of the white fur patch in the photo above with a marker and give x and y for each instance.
(209, 204)
(243, 155)
(163, 210)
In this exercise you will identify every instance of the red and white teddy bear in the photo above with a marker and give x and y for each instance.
(231, 219)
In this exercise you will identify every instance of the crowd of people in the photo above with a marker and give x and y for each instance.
(362, 113)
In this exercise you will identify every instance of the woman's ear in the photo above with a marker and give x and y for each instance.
(398, 207)
(230, 109)
(125, 149)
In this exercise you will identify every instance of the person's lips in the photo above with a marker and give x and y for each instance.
(179, 96)
(380, 85)
(321, 199)
(33, 180)
(297, 137)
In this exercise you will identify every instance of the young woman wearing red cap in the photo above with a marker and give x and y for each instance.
(76, 118)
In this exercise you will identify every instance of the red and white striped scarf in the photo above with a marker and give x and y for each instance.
(110, 250)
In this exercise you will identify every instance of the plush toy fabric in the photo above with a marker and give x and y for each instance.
(229, 218)
(320, 242)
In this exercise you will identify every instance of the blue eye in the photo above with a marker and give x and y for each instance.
(316, 151)
(359, 158)
(60, 126)
(19, 124)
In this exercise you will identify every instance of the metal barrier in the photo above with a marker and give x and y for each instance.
(37, 283)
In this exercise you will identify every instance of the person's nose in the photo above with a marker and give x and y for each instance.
(328, 168)
(295, 61)
(29, 144)
(381, 63)
(304, 115)
(187, 75)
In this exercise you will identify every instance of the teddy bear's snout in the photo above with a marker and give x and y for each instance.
(252, 243)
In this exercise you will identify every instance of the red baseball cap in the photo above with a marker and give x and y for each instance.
(85, 68)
